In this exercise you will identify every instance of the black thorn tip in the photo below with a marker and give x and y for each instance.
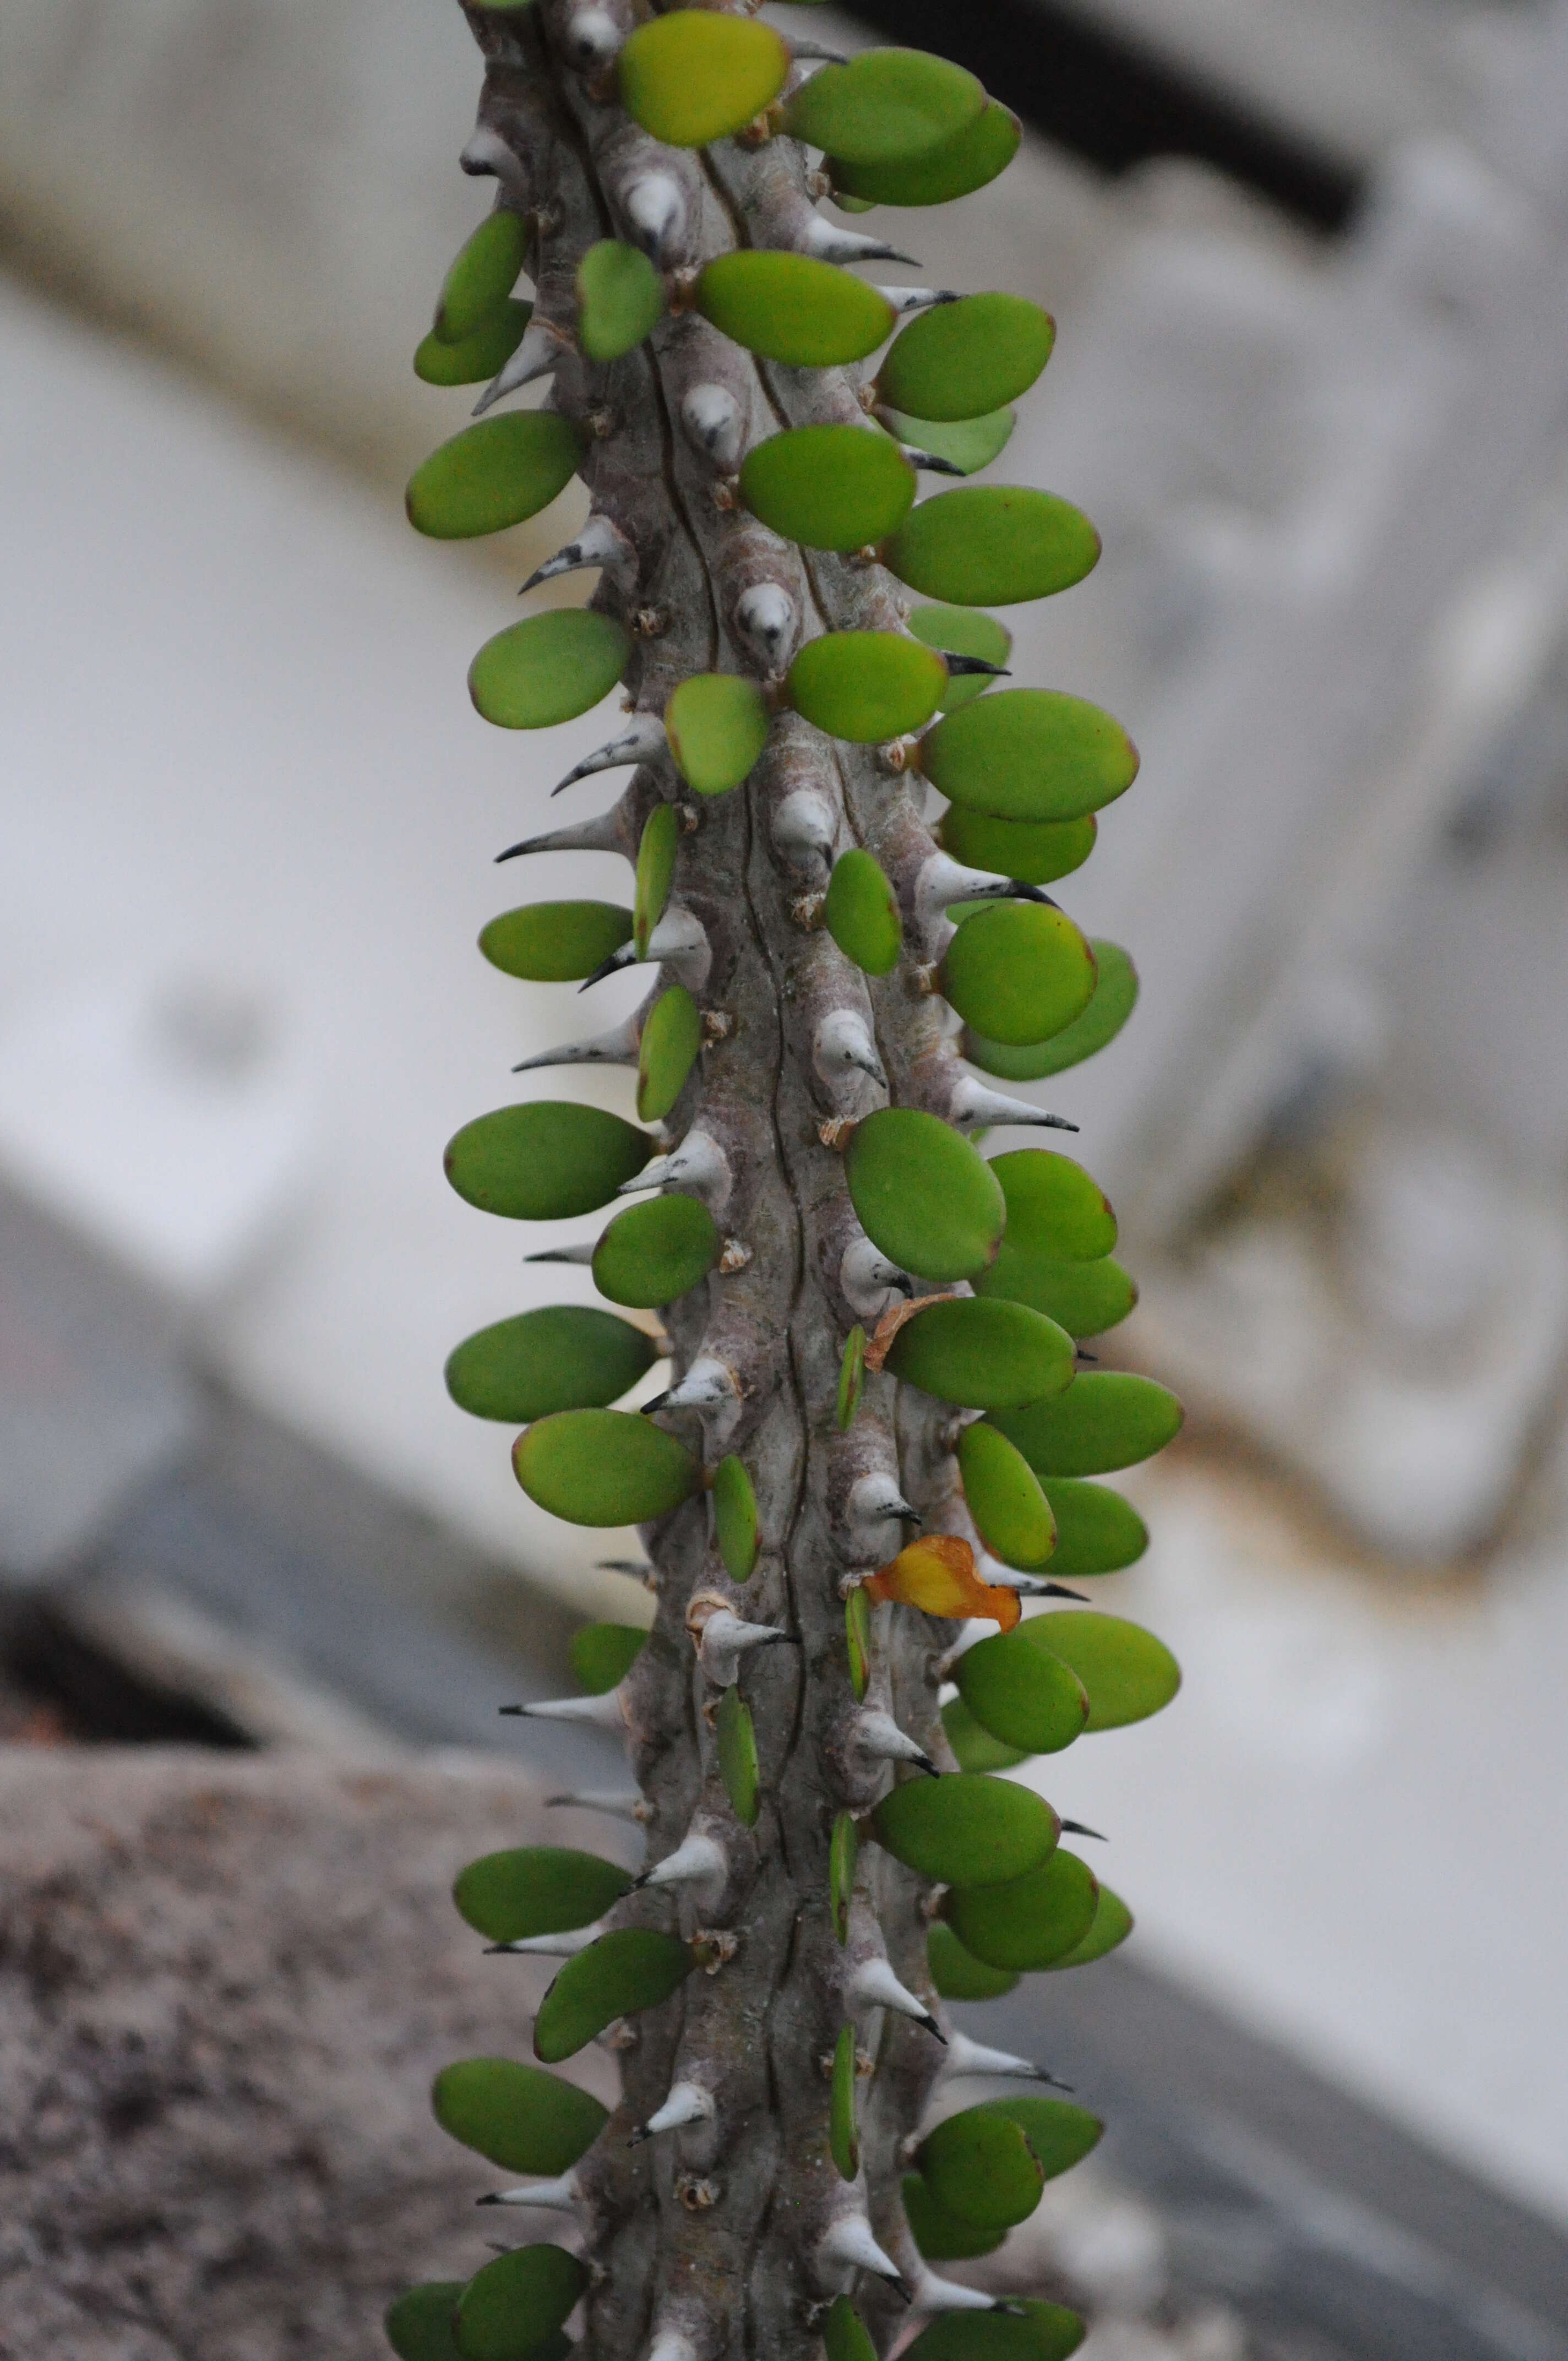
(511, 1708)
(964, 667)
(494, 2198)
(513, 849)
(1061, 1590)
(924, 1762)
(649, 1406)
(933, 2028)
(1019, 892)
(1081, 1829)
(1093, 1359)
(639, 2136)
(612, 966)
(930, 461)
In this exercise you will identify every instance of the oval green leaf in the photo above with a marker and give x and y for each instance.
(1000, 1681)
(862, 915)
(548, 669)
(983, 1354)
(482, 276)
(516, 2116)
(736, 1737)
(735, 1518)
(1037, 851)
(792, 308)
(561, 1356)
(671, 1035)
(536, 1890)
(974, 1747)
(604, 1468)
(1097, 1531)
(965, 360)
(1030, 1921)
(1009, 1510)
(655, 872)
(843, 2133)
(696, 74)
(476, 358)
(1112, 1924)
(603, 1653)
(546, 1160)
(979, 2167)
(1045, 2332)
(420, 2325)
(1060, 2134)
(513, 2304)
(941, 2237)
(1127, 1672)
(1107, 1419)
(620, 298)
(992, 546)
(858, 1638)
(975, 156)
(718, 726)
(885, 106)
(1018, 970)
(958, 1974)
(845, 2336)
(1084, 1298)
(866, 686)
(964, 631)
(828, 487)
(986, 1831)
(632, 1969)
(1030, 754)
(1054, 1209)
(1115, 996)
(851, 1378)
(924, 1195)
(555, 942)
(842, 1853)
(656, 1251)
(494, 474)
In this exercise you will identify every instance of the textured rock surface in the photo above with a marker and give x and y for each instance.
(224, 1986)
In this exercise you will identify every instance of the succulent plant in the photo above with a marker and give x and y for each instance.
(878, 1425)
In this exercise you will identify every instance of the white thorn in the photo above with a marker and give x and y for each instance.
(583, 1256)
(804, 822)
(698, 1859)
(971, 1103)
(765, 618)
(871, 1284)
(843, 1044)
(829, 243)
(553, 2196)
(721, 1637)
(935, 2294)
(915, 298)
(943, 880)
(539, 351)
(591, 38)
(708, 1384)
(680, 941)
(878, 1734)
(874, 1984)
(850, 2246)
(565, 1944)
(600, 542)
(617, 1048)
(640, 741)
(967, 2057)
(875, 1499)
(603, 1711)
(669, 2344)
(598, 835)
(618, 1803)
(802, 47)
(698, 1165)
(714, 421)
(488, 157)
(688, 2103)
(655, 210)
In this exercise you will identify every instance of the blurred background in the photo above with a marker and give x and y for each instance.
(1308, 267)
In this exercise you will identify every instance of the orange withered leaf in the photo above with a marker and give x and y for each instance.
(937, 1574)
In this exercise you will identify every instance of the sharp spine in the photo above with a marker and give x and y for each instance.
(698, 1164)
(878, 1734)
(829, 243)
(641, 741)
(715, 422)
(688, 2103)
(804, 822)
(603, 1711)
(874, 1984)
(557, 2196)
(540, 350)
(843, 1042)
(583, 1256)
(616, 1803)
(876, 1499)
(932, 2294)
(942, 879)
(698, 1859)
(721, 1637)
(617, 1048)
(967, 2057)
(600, 542)
(970, 1102)
(869, 1280)
(850, 2246)
(1080, 1828)
(563, 1944)
(598, 835)
(917, 298)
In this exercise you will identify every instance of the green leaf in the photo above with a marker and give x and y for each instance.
(964, 631)
(979, 2167)
(987, 1832)
(843, 2134)
(924, 1195)
(1037, 851)
(1084, 1298)
(494, 474)
(655, 871)
(536, 1890)
(992, 546)
(828, 487)
(958, 1974)
(1106, 1420)
(844, 2333)
(555, 942)
(561, 1356)
(941, 2237)
(735, 1518)
(1031, 1920)
(656, 1251)
(419, 2325)
(696, 75)
(1018, 970)
(1111, 1925)
(516, 2116)
(602, 1655)
(975, 1747)
(1047, 2332)
(718, 726)
(1097, 1531)
(1127, 1672)
(1060, 2134)
(630, 1970)
(620, 299)
(604, 1468)
(1009, 1510)
(1116, 993)
(968, 359)
(967, 444)
(852, 1377)
(513, 2304)
(792, 308)
(984, 147)
(671, 1035)
(866, 686)
(842, 1852)
(1020, 1696)
(476, 358)
(737, 1738)
(860, 913)
(885, 106)
(858, 1634)
(482, 276)
(548, 669)
(983, 1354)
(1030, 754)
(545, 1160)
(1054, 1210)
